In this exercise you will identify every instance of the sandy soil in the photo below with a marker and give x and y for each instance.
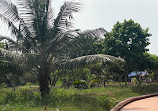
(148, 104)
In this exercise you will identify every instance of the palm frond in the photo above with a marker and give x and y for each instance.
(20, 35)
(26, 16)
(9, 14)
(61, 43)
(82, 46)
(9, 10)
(63, 21)
(96, 33)
(31, 62)
(50, 18)
(12, 43)
(14, 30)
(9, 40)
(74, 39)
(13, 55)
(79, 43)
(92, 59)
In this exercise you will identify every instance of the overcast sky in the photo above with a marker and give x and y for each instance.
(105, 13)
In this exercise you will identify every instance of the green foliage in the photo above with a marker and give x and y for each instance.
(103, 74)
(80, 84)
(94, 81)
(82, 74)
(10, 72)
(151, 61)
(86, 46)
(28, 77)
(3, 85)
(42, 42)
(72, 99)
(151, 65)
(29, 84)
(106, 102)
(1, 45)
(68, 77)
(129, 41)
(22, 97)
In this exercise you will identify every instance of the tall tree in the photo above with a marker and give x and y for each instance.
(43, 43)
(127, 40)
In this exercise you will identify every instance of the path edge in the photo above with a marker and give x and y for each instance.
(131, 99)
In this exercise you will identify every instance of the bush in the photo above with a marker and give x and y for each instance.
(80, 84)
(3, 85)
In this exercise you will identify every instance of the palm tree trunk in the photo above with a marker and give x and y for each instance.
(44, 76)
(44, 85)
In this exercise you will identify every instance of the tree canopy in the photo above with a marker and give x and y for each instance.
(129, 41)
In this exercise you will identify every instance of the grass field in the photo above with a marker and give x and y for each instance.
(96, 99)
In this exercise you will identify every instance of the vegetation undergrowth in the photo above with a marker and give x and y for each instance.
(71, 99)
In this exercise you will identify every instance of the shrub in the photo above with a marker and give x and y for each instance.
(3, 85)
(80, 84)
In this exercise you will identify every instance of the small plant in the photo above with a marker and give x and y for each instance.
(29, 84)
(93, 82)
(80, 84)
(3, 85)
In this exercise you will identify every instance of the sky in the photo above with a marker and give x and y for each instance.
(105, 13)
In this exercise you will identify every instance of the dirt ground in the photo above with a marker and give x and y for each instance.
(148, 104)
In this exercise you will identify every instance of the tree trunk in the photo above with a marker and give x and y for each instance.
(125, 74)
(119, 78)
(44, 85)
(104, 83)
(155, 75)
(64, 78)
(55, 79)
(44, 78)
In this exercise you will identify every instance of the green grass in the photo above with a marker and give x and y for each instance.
(60, 99)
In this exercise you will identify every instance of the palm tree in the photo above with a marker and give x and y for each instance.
(40, 42)
(85, 43)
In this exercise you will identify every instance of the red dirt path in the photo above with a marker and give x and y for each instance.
(147, 104)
